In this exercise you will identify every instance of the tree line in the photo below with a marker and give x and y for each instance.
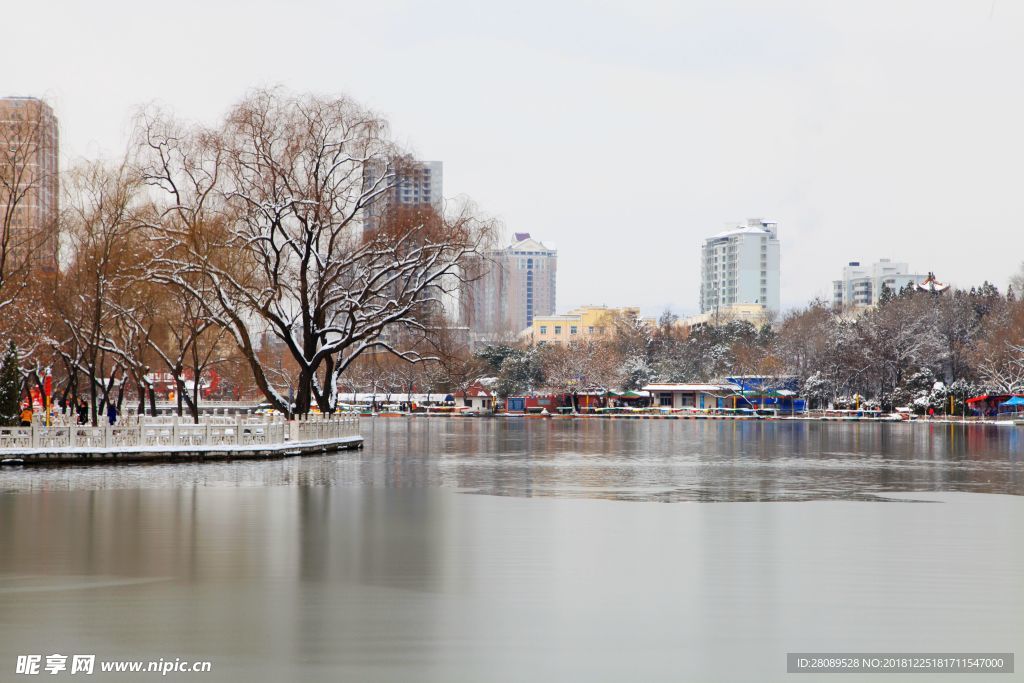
(240, 249)
(237, 248)
(915, 348)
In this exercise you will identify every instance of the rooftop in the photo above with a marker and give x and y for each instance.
(691, 387)
(741, 230)
(522, 241)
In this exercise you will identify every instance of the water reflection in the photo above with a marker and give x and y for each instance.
(338, 583)
(374, 566)
(625, 460)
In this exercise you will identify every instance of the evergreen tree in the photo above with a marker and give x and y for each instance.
(886, 295)
(10, 387)
(493, 355)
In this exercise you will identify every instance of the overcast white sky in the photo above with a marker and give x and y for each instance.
(625, 132)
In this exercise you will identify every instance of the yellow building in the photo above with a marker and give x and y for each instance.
(755, 314)
(581, 324)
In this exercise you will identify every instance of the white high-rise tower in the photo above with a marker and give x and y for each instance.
(741, 266)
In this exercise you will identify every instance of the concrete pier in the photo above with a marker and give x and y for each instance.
(150, 440)
(47, 456)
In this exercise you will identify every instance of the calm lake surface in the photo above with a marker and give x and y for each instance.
(521, 550)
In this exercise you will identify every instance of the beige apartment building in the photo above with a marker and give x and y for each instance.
(581, 324)
(29, 204)
(516, 287)
(756, 314)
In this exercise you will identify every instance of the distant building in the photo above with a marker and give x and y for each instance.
(741, 266)
(407, 187)
(861, 285)
(756, 314)
(476, 396)
(29, 146)
(516, 285)
(411, 184)
(702, 396)
(747, 392)
(586, 322)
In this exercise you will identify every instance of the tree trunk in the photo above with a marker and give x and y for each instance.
(303, 393)
(194, 407)
(92, 394)
(179, 395)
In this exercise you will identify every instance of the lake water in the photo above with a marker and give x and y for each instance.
(522, 550)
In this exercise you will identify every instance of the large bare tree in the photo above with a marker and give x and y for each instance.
(104, 236)
(261, 220)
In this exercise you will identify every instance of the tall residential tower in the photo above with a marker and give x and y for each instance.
(29, 193)
(412, 184)
(517, 285)
(741, 266)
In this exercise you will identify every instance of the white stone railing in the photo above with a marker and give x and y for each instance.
(154, 434)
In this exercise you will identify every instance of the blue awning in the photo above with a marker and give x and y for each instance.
(1015, 401)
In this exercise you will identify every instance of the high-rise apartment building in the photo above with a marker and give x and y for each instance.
(517, 284)
(861, 285)
(29, 194)
(741, 266)
(401, 189)
(410, 184)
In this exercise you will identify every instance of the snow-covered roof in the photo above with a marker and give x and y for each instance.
(383, 396)
(691, 387)
(741, 230)
(475, 390)
(530, 244)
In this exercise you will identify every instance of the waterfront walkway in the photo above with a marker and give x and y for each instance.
(156, 439)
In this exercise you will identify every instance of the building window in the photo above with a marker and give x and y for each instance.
(590, 330)
(665, 399)
(558, 329)
(572, 329)
(543, 329)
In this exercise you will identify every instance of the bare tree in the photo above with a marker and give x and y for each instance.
(582, 366)
(266, 213)
(103, 232)
(1002, 369)
(456, 367)
(1017, 280)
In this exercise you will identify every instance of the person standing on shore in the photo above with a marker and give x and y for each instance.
(26, 415)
